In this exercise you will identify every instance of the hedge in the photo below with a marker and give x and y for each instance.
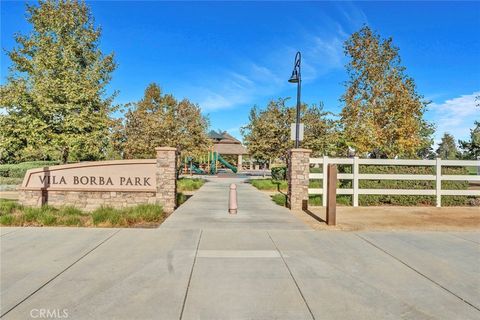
(19, 170)
(404, 200)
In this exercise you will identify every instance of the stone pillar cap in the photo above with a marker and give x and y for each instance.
(301, 150)
(165, 149)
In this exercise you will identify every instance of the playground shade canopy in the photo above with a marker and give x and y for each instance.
(224, 143)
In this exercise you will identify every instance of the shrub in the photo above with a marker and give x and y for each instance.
(143, 213)
(73, 221)
(279, 173)
(402, 200)
(10, 180)
(8, 206)
(48, 219)
(71, 211)
(19, 170)
(14, 214)
(7, 220)
(104, 214)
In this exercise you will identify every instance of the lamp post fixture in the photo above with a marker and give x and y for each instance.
(297, 78)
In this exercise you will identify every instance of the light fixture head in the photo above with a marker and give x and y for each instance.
(294, 77)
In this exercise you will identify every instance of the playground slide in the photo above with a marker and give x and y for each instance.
(197, 169)
(226, 164)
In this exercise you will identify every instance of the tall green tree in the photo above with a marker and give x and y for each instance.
(447, 148)
(383, 113)
(471, 148)
(321, 134)
(160, 120)
(54, 101)
(267, 135)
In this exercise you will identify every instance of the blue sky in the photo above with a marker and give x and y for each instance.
(229, 56)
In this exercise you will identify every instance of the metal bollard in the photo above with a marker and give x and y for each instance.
(232, 200)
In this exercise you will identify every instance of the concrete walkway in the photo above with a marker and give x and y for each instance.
(260, 264)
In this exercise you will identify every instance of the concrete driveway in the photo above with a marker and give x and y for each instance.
(261, 264)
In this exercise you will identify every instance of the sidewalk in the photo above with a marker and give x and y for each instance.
(260, 264)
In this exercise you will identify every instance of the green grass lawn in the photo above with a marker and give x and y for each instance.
(269, 184)
(185, 185)
(313, 200)
(282, 185)
(281, 199)
(14, 214)
(189, 184)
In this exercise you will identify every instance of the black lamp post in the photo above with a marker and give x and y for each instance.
(297, 78)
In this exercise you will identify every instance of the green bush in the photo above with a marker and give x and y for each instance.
(7, 220)
(104, 214)
(10, 180)
(143, 212)
(19, 170)
(8, 206)
(279, 173)
(402, 200)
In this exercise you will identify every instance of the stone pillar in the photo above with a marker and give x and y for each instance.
(239, 163)
(297, 176)
(166, 178)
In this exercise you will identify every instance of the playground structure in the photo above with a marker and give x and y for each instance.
(223, 144)
(207, 165)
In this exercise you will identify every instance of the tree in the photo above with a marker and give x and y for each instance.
(471, 148)
(160, 120)
(54, 99)
(321, 134)
(267, 135)
(447, 149)
(382, 114)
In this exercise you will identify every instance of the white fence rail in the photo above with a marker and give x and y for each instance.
(355, 176)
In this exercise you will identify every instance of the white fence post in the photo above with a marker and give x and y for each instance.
(324, 181)
(355, 173)
(438, 181)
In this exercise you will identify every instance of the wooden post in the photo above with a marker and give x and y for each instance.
(332, 195)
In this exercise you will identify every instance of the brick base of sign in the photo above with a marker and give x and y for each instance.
(87, 201)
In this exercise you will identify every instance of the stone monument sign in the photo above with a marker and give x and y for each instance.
(118, 183)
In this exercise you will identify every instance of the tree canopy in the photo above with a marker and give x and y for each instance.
(54, 100)
(471, 148)
(267, 135)
(160, 120)
(447, 148)
(382, 114)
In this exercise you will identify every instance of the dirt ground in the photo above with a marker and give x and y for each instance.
(395, 218)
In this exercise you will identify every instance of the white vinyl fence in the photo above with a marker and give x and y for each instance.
(356, 176)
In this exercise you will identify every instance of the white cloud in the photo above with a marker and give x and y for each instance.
(455, 116)
(249, 80)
